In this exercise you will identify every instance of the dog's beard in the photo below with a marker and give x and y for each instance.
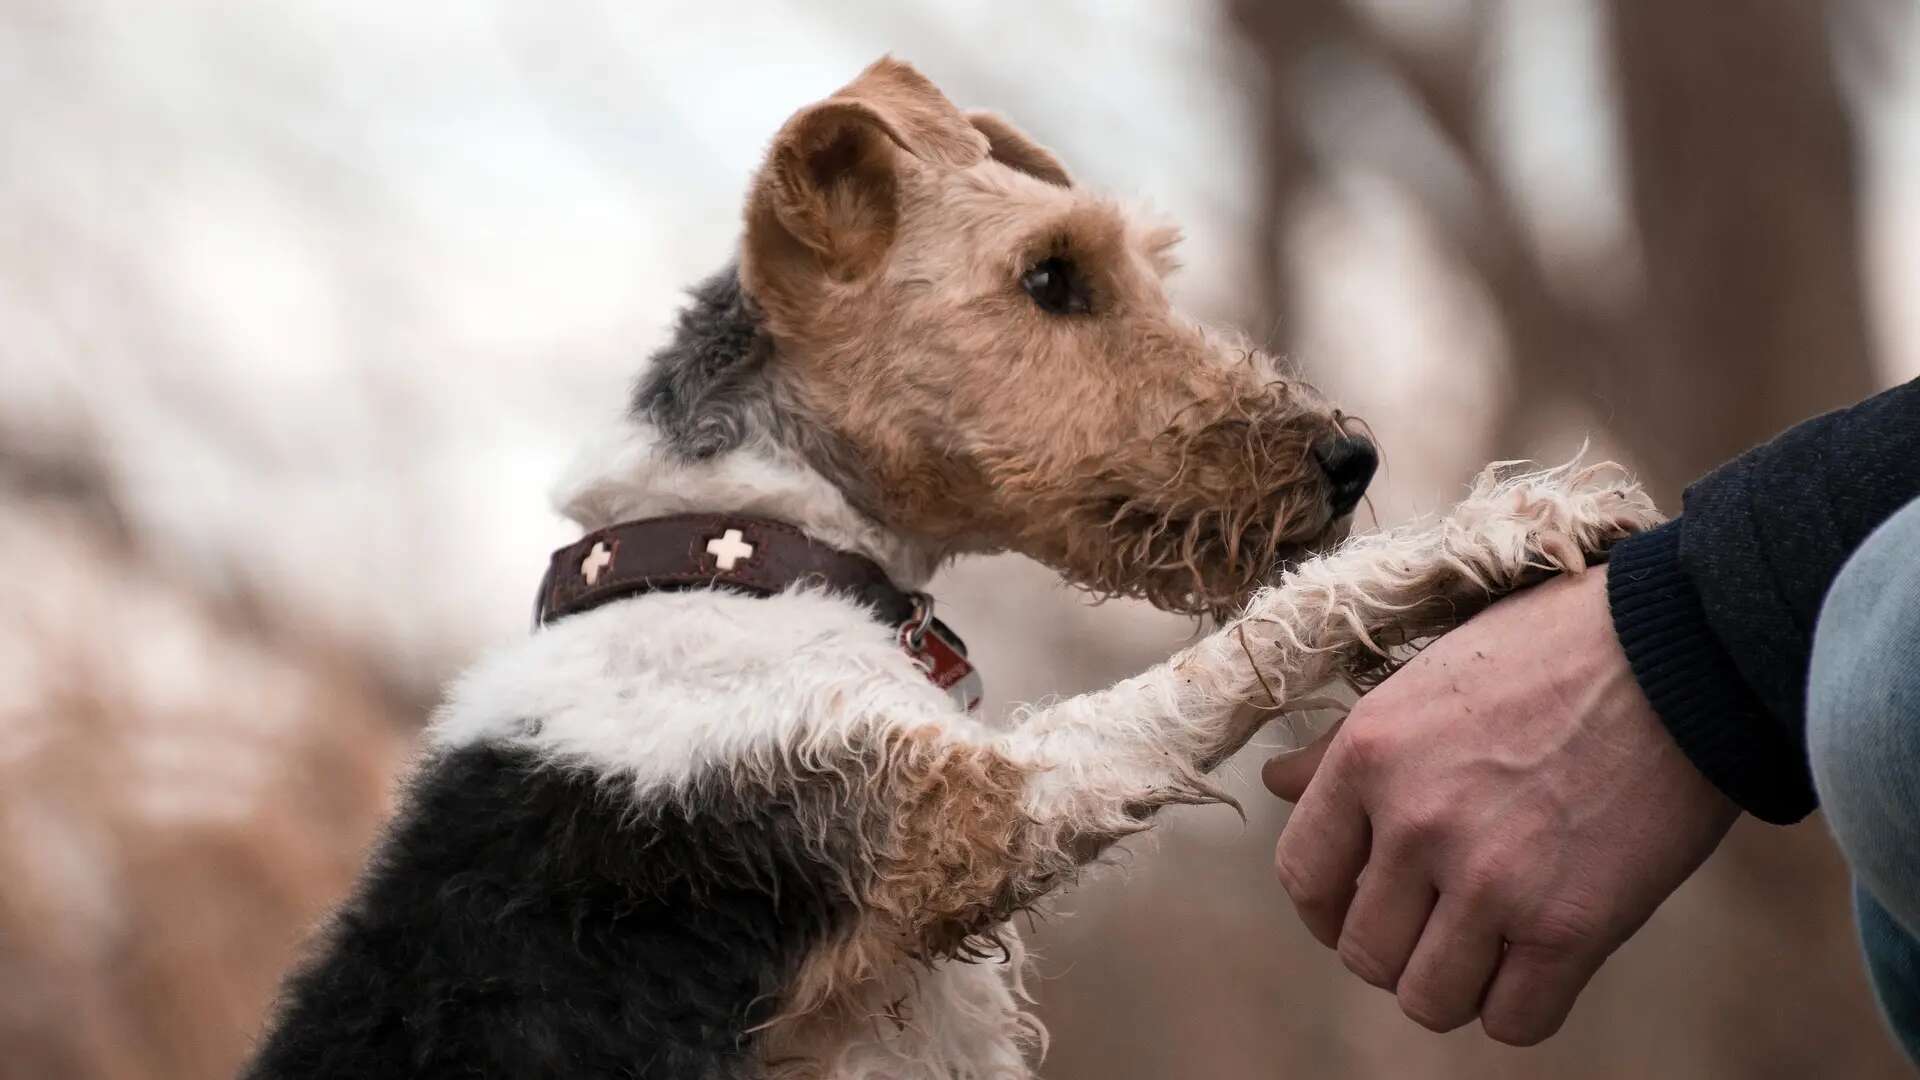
(1217, 505)
(1206, 563)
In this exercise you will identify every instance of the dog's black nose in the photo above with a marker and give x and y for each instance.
(1348, 461)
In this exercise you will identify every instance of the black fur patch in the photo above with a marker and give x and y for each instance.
(708, 390)
(526, 921)
(701, 389)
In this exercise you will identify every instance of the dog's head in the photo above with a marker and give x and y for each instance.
(982, 355)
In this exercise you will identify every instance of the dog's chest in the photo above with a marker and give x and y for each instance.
(659, 687)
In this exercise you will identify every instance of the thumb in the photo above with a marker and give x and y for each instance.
(1288, 774)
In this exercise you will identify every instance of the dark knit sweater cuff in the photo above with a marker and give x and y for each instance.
(1693, 684)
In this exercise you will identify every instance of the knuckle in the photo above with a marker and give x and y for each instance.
(1287, 872)
(1414, 829)
(1369, 746)
(1301, 887)
(1484, 879)
(1561, 932)
(1421, 824)
(1366, 964)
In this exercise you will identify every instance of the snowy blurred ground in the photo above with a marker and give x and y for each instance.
(303, 306)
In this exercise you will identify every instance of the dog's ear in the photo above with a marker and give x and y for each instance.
(827, 199)
(828, 195)
(1013, 148)
(925, 124)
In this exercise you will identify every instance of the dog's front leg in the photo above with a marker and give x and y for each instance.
(1093, 768)
(1106, 758)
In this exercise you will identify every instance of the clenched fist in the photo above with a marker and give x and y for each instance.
(1491, 822)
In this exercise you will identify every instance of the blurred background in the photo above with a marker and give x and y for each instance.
(304, 305)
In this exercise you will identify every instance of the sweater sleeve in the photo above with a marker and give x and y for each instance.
(1716, 609)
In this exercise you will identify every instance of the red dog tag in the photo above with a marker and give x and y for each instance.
(946, 666)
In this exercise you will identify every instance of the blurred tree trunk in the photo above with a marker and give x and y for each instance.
(1286, 34)
(1745, 192)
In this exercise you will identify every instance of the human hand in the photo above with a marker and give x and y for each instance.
(1496, 818)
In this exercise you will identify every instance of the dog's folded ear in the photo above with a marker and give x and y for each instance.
(827, 198)
(1013, 148)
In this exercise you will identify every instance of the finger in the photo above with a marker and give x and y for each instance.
(1533, 992)
(1446, 978)
(1389, 911)
(1288, 774)
(1323, 848)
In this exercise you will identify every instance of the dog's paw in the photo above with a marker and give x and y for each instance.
(1557, 520)
(1514, 529)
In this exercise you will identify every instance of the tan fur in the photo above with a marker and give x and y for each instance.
(1133, 450)
(954, 825)
(938, 823)
(1013, 148)
(827, 201)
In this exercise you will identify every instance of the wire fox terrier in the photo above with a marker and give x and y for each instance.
(729, 813)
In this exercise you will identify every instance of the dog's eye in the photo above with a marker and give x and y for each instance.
(1056, 287)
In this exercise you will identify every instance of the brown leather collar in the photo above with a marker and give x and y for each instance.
(682, 551)
(755, 555)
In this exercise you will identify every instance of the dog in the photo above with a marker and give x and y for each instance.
(730, 812)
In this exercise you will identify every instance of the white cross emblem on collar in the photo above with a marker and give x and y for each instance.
(596, 563)
(729, 548)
